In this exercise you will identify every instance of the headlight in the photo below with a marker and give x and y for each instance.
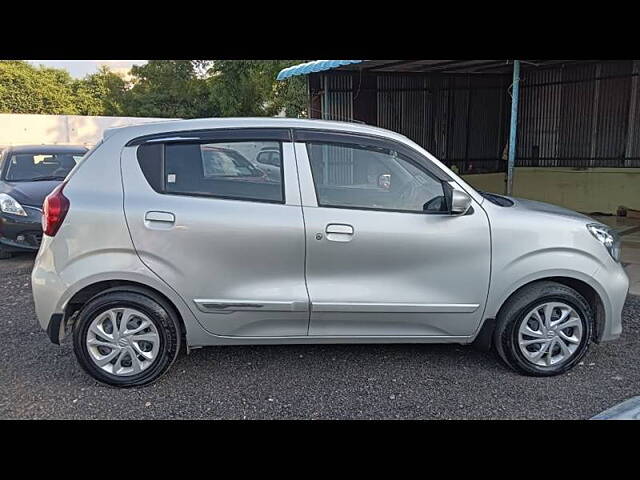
(10, 205)
(608, 237)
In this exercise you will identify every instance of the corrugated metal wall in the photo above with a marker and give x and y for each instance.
(460, 119)
(340, 97)
(582, 115)
(337, 161)
(578, 115)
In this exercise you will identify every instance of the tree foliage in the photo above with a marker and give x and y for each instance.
(109, 88)
(28, 89)
(171, 88)
(160, 88)
(248, 88)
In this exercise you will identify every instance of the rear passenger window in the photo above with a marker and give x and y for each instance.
(225, 169)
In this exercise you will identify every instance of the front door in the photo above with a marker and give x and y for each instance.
(228, 237)
(384, 255)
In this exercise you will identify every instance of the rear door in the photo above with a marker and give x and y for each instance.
(228, 237)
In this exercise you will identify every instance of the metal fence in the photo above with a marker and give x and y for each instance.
(579, 115)
(338, 102)
(582, 116)
(460, 119)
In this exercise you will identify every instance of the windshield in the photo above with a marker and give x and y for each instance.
(25, 167)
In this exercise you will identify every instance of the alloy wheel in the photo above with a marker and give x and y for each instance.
(122, 341)
(550, 334)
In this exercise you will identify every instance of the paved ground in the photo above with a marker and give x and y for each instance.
(40, 380)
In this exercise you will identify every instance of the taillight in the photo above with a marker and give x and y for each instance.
(54, 209)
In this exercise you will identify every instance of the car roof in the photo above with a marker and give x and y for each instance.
(129, 132)
(43, 149)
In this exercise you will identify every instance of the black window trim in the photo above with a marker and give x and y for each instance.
(214, 134)
(333, 136)
(362, 140)
(162, 188)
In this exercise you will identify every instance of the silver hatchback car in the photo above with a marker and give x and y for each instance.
(170, 235)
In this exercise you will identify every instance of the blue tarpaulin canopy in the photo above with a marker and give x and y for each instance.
(311, 67)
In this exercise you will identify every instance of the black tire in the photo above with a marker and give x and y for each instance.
(4, 255)
(162, 317)
(518, 306)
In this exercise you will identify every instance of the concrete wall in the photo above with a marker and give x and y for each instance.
(22, 129)
(588, 190)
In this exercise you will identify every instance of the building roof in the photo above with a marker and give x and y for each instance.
(315, 66)
(413, 66)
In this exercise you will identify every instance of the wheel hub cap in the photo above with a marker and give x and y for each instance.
(122, 341)
(550, 334)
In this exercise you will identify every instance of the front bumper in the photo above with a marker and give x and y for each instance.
(613, 284)
(54, 328)
(18, 233)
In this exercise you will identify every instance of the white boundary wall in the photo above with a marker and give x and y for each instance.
(24, 129)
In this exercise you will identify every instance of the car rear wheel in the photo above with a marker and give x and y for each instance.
(4, 254)
(544, 329)
(125, 338)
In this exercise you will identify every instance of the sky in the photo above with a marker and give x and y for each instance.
(80, 68)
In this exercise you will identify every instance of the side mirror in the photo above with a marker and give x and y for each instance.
(460, 202)
(384, 181)
(263, 158)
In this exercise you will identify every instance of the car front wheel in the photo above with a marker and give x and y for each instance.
(126, 338)
(544, 329)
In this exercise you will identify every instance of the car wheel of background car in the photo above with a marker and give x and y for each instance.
(544, 329)
(126, 338)
(4, 254)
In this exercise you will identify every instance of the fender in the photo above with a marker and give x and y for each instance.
(128, 268)
(497, 299)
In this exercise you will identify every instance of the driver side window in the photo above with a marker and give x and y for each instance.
(359, 176)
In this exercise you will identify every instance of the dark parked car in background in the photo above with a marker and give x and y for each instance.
(27, 175)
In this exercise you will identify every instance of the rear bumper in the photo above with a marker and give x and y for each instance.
(18, 233)
(46, 286)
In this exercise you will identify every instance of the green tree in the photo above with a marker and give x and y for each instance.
(28, 89)
(249, 88)
(290, 96)
(168, 88)
(160, 88)
(101, 93)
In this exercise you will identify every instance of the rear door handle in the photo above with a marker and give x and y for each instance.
(164, 217)
(339, 232)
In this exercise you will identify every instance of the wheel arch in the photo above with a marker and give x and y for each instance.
(86, 293)
(589, 293)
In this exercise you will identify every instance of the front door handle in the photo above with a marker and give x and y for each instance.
(339, 228)
(164, 217)
(339, 232)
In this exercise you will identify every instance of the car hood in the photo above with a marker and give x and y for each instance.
(29, 193)
(525, 205)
